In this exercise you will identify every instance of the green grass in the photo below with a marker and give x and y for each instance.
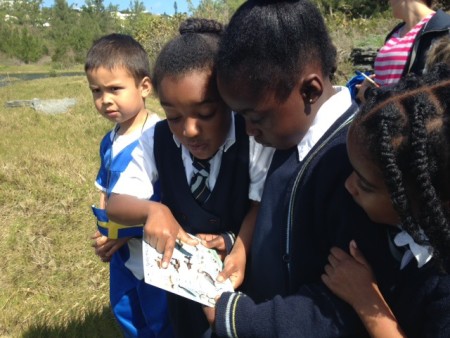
(52, 283)
(38, 68)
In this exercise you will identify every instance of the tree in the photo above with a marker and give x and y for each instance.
(29, 47)
(352, 8)
(153, 31)
(212, 9)
(26, 12)
(137, 7)
(62, 21)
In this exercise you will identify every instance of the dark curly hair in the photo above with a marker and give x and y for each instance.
(268, 43)
(406, 129)
(194, 49)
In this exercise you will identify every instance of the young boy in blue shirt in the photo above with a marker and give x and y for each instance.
(118, 72)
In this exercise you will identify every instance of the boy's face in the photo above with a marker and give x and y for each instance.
(116, 95)
(367, 186)
(196, 114)
(281, 125)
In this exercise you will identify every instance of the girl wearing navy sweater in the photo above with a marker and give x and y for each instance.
(274, 67)
(399, 147)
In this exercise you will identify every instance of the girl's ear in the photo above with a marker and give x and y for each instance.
(311, 88)
(146, 87)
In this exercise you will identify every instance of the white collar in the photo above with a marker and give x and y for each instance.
(229, 140)
(422, 253)
(328, 113)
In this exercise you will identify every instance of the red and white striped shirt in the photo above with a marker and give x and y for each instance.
(392, 57)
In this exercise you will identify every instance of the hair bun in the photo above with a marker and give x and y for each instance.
(197, 25)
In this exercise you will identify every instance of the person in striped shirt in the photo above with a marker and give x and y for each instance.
(407, 44)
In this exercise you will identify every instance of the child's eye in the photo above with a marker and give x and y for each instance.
(206, 116)
(173, 118)
(254, 118)
(115, 89)
(363, 186)
(95, 90)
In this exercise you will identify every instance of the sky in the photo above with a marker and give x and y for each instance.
(153, 6)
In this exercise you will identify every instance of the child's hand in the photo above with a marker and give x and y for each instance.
(234, 268)
(366, 84)
(105, 247)
(162, 230)
(210, 313)
(214, 241)
(349, 277)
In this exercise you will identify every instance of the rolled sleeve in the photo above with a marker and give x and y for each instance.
(260, 158)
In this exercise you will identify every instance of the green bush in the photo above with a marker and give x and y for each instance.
(20, 43)
(153, 31)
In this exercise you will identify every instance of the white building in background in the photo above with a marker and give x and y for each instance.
(121, 16)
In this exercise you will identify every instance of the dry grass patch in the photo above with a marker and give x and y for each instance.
(52, 283)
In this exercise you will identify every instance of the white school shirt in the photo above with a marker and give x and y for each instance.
(137, 180)
(120, 142)
(328, 113)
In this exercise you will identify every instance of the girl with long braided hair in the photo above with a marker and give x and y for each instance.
(399, 146)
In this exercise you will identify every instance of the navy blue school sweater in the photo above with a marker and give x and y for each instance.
(223, 211)
(228, 203)
(419, 298)
(293, 235)
(305, 210)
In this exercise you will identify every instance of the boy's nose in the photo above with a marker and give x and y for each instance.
(190, 127)
(106, 98)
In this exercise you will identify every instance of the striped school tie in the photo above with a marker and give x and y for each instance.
(199, 186)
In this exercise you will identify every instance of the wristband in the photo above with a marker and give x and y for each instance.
(114, 230)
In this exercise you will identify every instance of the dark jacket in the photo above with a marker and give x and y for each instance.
(419, 299)
(229, 194)
(305, 210)
(223, 211)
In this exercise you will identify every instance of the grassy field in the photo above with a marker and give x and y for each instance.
(52, 284)
(48, 67)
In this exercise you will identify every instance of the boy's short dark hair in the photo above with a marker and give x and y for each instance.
(118, 50)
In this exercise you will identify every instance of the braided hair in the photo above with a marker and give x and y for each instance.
(194, 49)
(270, 42)
(406, 129)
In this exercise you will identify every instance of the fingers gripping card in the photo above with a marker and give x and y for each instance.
(192, 272)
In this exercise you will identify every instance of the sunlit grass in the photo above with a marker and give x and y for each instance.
(52, 284)
(38, 68)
